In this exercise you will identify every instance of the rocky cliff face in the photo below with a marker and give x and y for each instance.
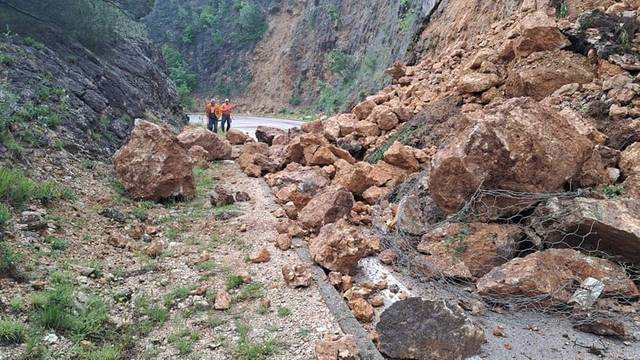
(56, 93)
(320, 55)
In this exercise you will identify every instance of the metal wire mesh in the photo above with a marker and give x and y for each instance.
(539, 229)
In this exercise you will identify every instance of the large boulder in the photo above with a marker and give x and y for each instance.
(477, 82)
(254, 159)
(401, 156)
(266, 134)
(538, 32)
(518, 145)
(542, 73)
(364, 109)
(217, 149)
(416, 212)
(467, 251)
(328, 206)
(422, 329)
(298, 185)
(355, 178)
(237, 137)
(154, 165)
(385, 174)
(340, 245)
(610, 226)
(553, 275)
(384, 117)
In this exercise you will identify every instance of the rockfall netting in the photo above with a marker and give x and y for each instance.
(522, 251)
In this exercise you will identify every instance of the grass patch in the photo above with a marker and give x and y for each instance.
(177, 294)
(611, 191)
(252, 291)
(5, 216)
(9, 258)
(233, 282)
(283, 312)
(207, 266)
(17, 304)
(184, 339)
(11, 332)
(214, 321)
(57, 244)
(150, 315)
(16, 189)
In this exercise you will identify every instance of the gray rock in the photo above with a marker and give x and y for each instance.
(113, 214)
(221, 197)
(227, 215)
(32, 221)
(422, 329)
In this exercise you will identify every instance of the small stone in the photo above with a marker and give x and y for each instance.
(403, 295)
(283, 242)
(199, 291)
(154, 249)
(244, 275)
(361, 309)
(337, 348)
(265, 303)
(51, 338)
(243, 228)
(242, 196)
(377, 301)
(260, 256)
(223, 300)
(388, 257)
(297, 275)
(38, 284)
(499, 331)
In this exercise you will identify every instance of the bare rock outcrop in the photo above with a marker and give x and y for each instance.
(154, 165)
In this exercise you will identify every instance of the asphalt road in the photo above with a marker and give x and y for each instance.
(249, 124)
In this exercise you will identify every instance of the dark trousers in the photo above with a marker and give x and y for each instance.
(226, 119)
(213, 123)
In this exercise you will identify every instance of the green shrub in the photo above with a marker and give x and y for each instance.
(6, 59)
(283, 311)
(251, 21)
(233, 282)
(57, 243)
(9, 258)
(611, 191)
(339, 61)
(33, 43)
(5, 216)
(15, 188)
(403, 136)
(11, 332)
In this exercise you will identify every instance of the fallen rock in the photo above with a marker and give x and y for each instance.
(539, 32)
(630, 160)
(199, 156)
(420, 329)
(237, 137)
(388, 256)
(113, 214)
(363, 109)
(265, 134)
(361, 309)
(242, 196)
(223, 300)
(467, 251)
(283, 242)
(374, 194)
(260, 256)
(550, 276)
(154, 249)
(221, 197)
(518, 145)
(401, 156)
(355, 178)
(326, 207)
(298, 275)
(477, 82)
(337, 348)
(217, 149)
(153, 165)
(340, 245)
(384, 117)
(604, 327)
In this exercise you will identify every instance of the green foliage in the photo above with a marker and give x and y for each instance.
(233, 282)
(9, 258)
(11, 332)
(5, 216)
(251, 21)
(108, 352)
(180, 73)
(56, 309)
(250, 350)
(456, 245)
(624, 39)
(57, 243)
(403, 136)
(250, 292)
(33, 43)
(339, 62)
(611, 191)
(562, 9)
(184, 339)
(283, 311)
(6, 59)
(16, 189)
(585, 20)
(177, 294)
(17, 304)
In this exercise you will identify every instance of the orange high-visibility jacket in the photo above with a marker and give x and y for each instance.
(226, 109)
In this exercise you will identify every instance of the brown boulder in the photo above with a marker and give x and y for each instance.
(367, 128)
(221, 197)
(262, 255)
(283, 242)
(477, 82)
(328, 206)
(467, 250)
(364, 109)
(373, 194)
(315, 126)
(346, 124)
(401, 156)
(361, 309)
(355, 178)
(332, 128)
(223, 300)
(518, 145)
(630, 160)
(298, 186)
(337, 348)
(237, 137)
(216, 148)
(199, 156)
(153, 165)
(384, 173)
(388, 256)
(265, 134)
(322, 156)
(542, 73)
(298, 275)
(384, 117)
(553, 274)
(340, 245)
(538, 32)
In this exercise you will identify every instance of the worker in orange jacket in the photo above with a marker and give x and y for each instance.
(213, 112)
(226, 114)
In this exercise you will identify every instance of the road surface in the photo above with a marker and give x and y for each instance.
(249, 124)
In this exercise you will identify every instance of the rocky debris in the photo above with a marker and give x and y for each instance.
(217, 149)
(374, 194)
(340, 245)
(551, 274)
(298, 275)
(384, 117)
(237, 137)
(223, 300)
(361, 309)
(297, 184)
(199, 156)
(467, 250)
(262, 255)
(401, 156)
(266, 134)
(284, 242)
(388, 256)
(228, 215)
(415, 211)
(603, 327)
(328, 206)
(242, 196)
(421, 329)
(513, 146)
(377, 300)
(337, 348)
(153, 165)
(32, 220)
(477, 82)
(154, 249)
(363, 110)
(610, 226)
(538, 32)
(355, 178)
(256, 159)
(221, 197)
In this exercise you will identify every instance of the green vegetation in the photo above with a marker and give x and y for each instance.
(456, 245)
(6, 59)
(57, 243)
(283, 311)
(408, 15)
(181, 73)
(624, 39)
(177, 294)
(339, 62)
(5, 216)
(184, 339)
(611, 191)
(562, 9)
(16, 189)
(233, 282)
(403, 136)
(250, 350)
(33, 43)
(11, 332)
(9, 258)
(250, 292)
(251, 21)
(17, 304)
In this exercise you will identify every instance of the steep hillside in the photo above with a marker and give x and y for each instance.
(282, 55)
(72, 82)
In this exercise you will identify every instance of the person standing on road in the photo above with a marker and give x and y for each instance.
(226, 115)
(213, 112)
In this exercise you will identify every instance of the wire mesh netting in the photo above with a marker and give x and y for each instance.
(551, 252)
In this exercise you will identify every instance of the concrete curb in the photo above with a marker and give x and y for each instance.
(342, 314)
